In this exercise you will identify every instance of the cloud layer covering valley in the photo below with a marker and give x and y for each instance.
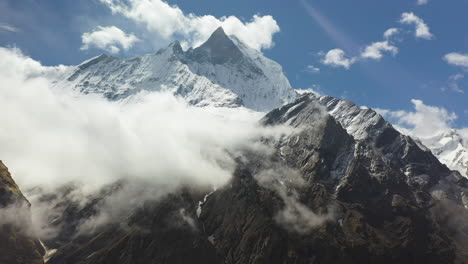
(51, 138)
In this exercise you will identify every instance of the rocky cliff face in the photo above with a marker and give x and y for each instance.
(18, 244)
(345, 187)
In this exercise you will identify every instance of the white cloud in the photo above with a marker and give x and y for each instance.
(433, 127)
(375, 50)
(338, 58)
(294, 216)
(313, 69)
(8, 27)
(424, 122)
(168, 22)
(108, 38)
(52, 139)
(315, 89)
(422, 2)
(391, 32)
(457, 59)
(422, 29)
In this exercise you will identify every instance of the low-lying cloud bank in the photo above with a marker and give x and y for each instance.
(155, 144)
(50, 139)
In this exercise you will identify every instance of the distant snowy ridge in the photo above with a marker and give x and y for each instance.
(222, 72)
(450, 148)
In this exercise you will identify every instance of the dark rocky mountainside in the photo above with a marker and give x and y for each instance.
(18, 245)
(345, 187)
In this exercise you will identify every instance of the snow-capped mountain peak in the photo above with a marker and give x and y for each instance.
(451, 150)
(223, 71)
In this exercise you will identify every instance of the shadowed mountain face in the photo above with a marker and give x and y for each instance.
(218, 49)
(18, 244)
(331, 192)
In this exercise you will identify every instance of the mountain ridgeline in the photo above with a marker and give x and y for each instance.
(343, 187)
(331, 192)
(221, 72)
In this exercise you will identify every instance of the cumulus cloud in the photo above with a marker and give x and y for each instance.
(422, 29)
(433, 126)
(375, 50)
(391, 32)
(111, 39)
(424, 122)
(169, 22)
(338, 58)
(457, 59)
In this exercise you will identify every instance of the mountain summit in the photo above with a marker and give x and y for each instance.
(223, 71)
(218, 49)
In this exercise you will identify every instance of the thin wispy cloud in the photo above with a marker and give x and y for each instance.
(338, 36)
(453, 83)
(422, 2)
(9, 28)
(312, 69)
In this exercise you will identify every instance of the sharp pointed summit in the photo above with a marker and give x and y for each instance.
(223, 71)
(218, 49)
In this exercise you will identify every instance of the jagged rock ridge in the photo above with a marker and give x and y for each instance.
(375, 196)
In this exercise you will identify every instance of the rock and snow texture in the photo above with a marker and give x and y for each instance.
(450, 149)
(221, 72)
(376, 140)
(364, 123)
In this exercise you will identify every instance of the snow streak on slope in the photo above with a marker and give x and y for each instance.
(221, 72)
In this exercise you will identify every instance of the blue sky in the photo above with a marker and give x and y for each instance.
(51, 31)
